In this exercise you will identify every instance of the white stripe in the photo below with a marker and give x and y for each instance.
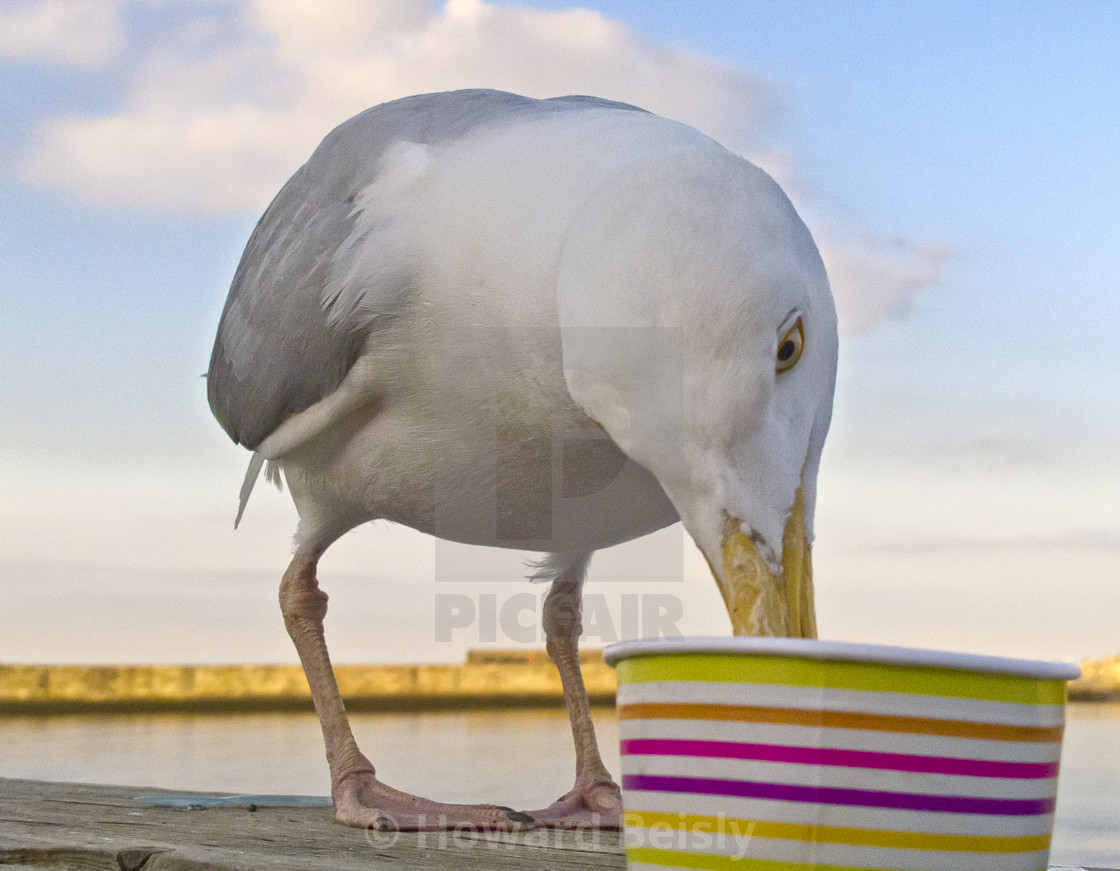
(843, 816)
(808, 852)
(847, 739)
(857, 701)
(812, 649)
(800, 774)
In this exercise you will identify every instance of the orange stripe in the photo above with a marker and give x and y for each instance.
(843, 720)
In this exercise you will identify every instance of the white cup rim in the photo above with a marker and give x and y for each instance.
(807, 648)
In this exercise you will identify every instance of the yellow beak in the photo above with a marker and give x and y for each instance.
(757, 602)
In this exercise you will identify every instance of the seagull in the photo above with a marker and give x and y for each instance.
(550, 325)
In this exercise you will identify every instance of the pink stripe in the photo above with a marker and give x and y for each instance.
(948, 804)
(845, 758)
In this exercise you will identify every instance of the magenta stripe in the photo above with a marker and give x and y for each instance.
(845, 758)
(952, 804)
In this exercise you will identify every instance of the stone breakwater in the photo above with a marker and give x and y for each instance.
(501, 678)
(1099, 681)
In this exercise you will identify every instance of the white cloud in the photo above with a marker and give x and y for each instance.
(221, 131)
(875, 280)
(341, 27)
(218, 125)
(68, 32)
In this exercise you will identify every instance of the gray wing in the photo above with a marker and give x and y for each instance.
(277, 353)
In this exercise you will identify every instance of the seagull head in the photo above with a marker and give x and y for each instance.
(699, 330)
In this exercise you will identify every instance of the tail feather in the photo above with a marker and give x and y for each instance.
(247, 485)
(272, 474)
(558, 564)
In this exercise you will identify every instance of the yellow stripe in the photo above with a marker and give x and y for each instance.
(835, 834)
(842, 720)
(837, 674)
(709, 862)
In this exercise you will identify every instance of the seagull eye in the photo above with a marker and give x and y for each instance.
(790, 347)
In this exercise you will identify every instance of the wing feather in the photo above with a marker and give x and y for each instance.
(288, 335)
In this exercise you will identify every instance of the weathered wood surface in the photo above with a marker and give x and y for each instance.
(79, 827)
(64, 826)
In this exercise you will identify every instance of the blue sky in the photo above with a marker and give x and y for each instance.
(955, 161)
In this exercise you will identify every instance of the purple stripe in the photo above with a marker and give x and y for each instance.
(951, 804)
(846, 758)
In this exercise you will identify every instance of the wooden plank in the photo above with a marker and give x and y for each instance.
(77, 826)
(82, 827)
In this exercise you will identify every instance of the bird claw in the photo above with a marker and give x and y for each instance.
(597, 805)
(363, 801)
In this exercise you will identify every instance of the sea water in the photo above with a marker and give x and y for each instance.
(519, 758)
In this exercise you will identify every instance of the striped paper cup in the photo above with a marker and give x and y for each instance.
(788, 755)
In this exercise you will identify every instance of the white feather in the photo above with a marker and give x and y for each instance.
(565, 277)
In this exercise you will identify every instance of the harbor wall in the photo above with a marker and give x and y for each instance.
(501, 678)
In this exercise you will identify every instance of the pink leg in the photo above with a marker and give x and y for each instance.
(360, 799)
(595, 800)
